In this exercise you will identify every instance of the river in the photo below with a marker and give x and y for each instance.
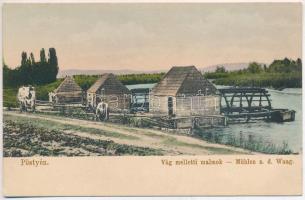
(277, 134)
(267, 133)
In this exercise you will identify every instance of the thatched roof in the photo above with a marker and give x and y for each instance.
(110, 84)
(183, 80)
(68, 85)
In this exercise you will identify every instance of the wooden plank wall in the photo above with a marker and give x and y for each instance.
(198, 105)
(186, 106)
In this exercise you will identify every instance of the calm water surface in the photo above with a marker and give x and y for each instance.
(271, 132)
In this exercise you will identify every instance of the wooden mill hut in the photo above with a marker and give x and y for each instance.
(67, 92)
(109, 90)
(183, 91)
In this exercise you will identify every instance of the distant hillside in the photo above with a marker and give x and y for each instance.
(228, 66)
(211, 68)
(70, 72)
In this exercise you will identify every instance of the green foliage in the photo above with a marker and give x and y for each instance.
(220, 72)
(215, 75)
(220, 69)
(10, 97)
(279, 74)
(86, 81)
(31, 72)
(52, 57)
(286, 65)
(42, 91)
(43, 56)
(130, 79)
(24, 58)
(254, 68)
(6, 74)
(53, 66)
(274, 80)
(32, 58)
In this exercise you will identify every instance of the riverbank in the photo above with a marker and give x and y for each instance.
(139, 141)
(276, 81)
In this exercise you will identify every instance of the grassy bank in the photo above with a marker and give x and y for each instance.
(10, 97)
(42, 91)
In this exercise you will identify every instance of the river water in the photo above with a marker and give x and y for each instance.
(273, 133)
(277, 134)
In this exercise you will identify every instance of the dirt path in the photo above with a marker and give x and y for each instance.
(172, 144)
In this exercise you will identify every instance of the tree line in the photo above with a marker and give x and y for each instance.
(277, 66)
(85, 81)
(279, 74)
(32, 72)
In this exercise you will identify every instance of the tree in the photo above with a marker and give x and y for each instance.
(32, 72)
(299, 64)
(22, 73)
(32, 58)
(265, 68)
(286, 61)
(254, 67)
(52, 57)
(220, 69)
(43, 56)
(6, 74)
(286, 65)
(24, 58)
(52, 67)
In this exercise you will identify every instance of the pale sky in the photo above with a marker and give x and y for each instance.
(152, 36)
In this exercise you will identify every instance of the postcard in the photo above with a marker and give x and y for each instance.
(152, 99)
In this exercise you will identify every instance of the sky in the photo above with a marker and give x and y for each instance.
(152, 36)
